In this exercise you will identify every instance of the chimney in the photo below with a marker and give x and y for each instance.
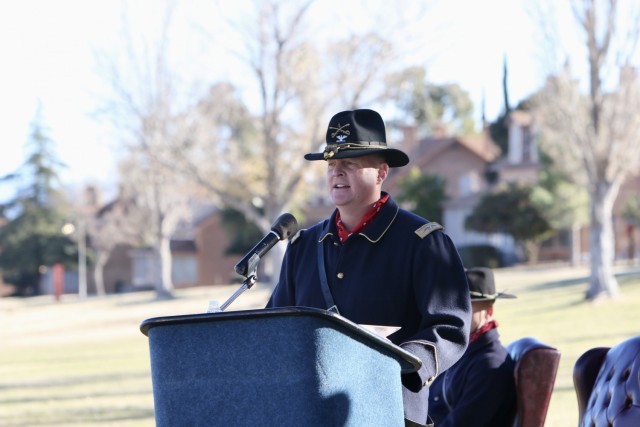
(409, 137)
(439, 130)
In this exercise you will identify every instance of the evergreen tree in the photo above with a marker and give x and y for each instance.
(242, 233)
(631, 210)
(631, 214)
(423, 194)
(511, 209)
(32, 238)
(499, 129)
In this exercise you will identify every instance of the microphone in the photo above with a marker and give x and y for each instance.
(285, 226)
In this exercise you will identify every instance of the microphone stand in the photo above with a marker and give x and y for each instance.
(246, 284)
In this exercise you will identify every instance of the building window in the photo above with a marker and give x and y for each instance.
(145, 268)
(184, 269)
(522, 147)
(469, 183)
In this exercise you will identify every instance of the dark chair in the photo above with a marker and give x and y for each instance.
(607, 383)
(535, 374)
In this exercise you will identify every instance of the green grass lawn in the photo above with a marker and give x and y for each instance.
(86, 363)
(551, 307)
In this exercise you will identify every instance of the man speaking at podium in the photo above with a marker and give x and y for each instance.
(377, 264)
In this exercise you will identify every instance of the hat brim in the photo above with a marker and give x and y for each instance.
(395, 158)
(500, 295)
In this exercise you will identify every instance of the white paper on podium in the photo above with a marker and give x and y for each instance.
(383, 331)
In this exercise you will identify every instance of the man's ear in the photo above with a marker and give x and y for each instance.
(490, 310)
(383, 172)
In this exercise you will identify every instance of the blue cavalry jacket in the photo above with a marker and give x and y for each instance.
(400, 270)
(479, 390)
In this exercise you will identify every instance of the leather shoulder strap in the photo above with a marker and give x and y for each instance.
(326, 292)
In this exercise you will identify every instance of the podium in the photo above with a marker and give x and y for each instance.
(274, 367)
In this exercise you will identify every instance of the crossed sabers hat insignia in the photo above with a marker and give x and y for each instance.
(340, 129)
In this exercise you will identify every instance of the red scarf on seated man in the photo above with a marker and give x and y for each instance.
(344, 234)
(482, 330)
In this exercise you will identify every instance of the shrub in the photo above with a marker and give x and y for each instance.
(483, 256)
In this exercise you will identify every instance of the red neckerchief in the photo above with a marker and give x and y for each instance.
(344, 234)
(482, 330)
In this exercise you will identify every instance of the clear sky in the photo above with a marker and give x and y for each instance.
(47, 59)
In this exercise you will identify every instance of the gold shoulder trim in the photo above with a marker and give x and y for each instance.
(427, 229)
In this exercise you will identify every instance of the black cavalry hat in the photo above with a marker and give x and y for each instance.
(482, 287)
(358, 133)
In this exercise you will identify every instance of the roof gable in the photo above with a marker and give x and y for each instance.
(430, 148)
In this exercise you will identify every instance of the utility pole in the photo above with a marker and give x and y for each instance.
(82, 258)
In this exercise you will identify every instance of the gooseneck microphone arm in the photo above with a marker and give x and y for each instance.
(246, 284)
(283, 228)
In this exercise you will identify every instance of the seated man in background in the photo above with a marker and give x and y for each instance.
(479, 390)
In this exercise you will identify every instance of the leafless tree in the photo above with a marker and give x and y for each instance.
(120, 221)
(243, 142)
(242, 156)
(147, 109)
(596, 134)
(165, 195)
